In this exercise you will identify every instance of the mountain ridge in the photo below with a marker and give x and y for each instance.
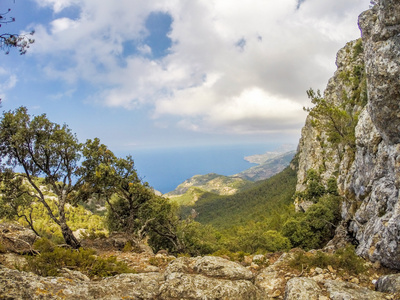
(270, 163)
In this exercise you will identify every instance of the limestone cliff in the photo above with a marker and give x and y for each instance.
(368, 170)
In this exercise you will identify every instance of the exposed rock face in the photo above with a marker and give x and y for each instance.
(21, 285)
(388, 284)
(380, 30)
(339, 290)
(302, 289)
(368, 176)
(194, 278)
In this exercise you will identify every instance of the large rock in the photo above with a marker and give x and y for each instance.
(271, 280)
(380, 30)
(388, 284)
(16, 238)
(339, 290)
(22, 285)
(208, 277)
(195, 286)
(218, 267)
(375, 175)
(368, 176)
(302, 289)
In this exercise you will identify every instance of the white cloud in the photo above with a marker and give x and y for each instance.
(243, 65)
(8, 82)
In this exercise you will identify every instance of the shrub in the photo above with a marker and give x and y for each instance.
(53, 258)
(345, 259)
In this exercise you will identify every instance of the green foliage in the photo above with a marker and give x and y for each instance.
(233, 256)
(314, 187)
(337, 122)
(266, 198)
(314, 228)
(249, 221)
(42, 149)
(345, 259)
(52, 259)
(198, 239)
(358, 49)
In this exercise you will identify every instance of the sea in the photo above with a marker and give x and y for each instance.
(165, 168)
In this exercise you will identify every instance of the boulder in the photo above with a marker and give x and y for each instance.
(271, 280)
(195, 286)
(340, 290)
(218, 267)
(300, 288)
(388, 284)
(21, 285)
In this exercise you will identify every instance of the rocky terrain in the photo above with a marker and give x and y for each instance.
(162, 276)
(368, 177)
(368, 174)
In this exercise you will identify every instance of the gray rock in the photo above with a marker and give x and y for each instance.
(192, 286)
(272, 279)
(388, 284)
(302, 289)
(339, 290)
(368, 177)
(22, 285)
(218, 267)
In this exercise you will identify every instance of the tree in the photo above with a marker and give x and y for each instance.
(16, 199)
(11, 40)
(338, 123)
(132, 205)
(43, 149)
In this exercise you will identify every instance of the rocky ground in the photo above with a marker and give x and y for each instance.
(161, 276)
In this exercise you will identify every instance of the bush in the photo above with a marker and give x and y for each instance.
(314, 228)
(53, 258)
(345, 259)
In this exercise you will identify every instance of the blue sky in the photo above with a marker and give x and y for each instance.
(154, 74)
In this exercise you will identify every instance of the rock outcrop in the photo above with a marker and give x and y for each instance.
(197, 278)
(368, 174)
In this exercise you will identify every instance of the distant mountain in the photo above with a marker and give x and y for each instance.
(263, 199)
(191, 189)
(270, 163)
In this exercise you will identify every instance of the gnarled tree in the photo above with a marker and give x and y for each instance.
(40, 148)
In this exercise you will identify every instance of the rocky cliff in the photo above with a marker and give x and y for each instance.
(367, 168)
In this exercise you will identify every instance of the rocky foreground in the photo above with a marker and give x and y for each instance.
(198, 278)
(162, 276)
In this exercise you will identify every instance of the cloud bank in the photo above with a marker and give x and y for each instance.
(230, 66)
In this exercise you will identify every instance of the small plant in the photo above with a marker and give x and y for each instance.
(128, 247)
(53, 258)
(345, 259)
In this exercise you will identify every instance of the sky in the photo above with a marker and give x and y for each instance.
(142, 74)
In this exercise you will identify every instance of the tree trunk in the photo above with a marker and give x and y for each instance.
(69, 237)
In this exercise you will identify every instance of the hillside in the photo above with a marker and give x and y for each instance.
(263, 199)
(270, 163)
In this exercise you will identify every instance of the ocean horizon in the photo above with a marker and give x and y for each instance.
(165, 168)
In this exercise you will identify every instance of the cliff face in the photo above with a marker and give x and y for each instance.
(367, 172)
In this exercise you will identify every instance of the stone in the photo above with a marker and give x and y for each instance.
(16, 238)
(388, 284)
(218, 267)
(270, 279)
(340, 290)
(194, 286)
(368, 175)
(22, 285)
(258, 258)
(300, 288)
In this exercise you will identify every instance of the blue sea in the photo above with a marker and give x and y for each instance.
(164, 169)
